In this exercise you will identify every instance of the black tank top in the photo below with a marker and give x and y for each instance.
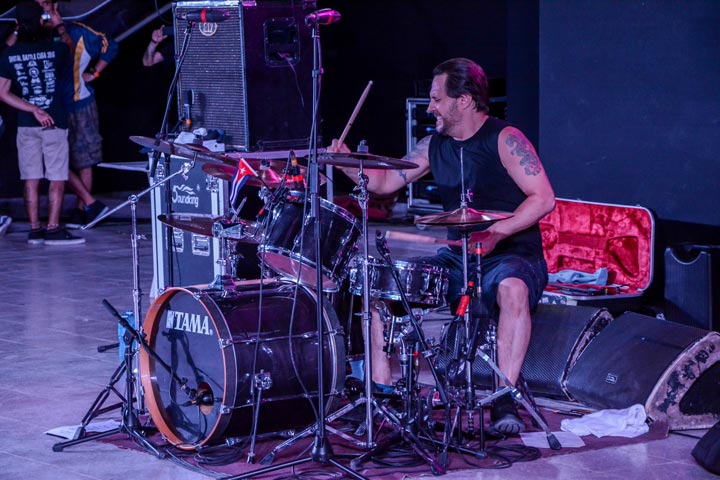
(485, 176)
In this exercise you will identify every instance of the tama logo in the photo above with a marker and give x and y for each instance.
(185, 195)
(188, 322)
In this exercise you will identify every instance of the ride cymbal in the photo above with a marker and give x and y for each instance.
(367, 160)
(463, 217)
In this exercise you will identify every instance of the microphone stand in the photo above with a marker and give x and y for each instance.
(321, 450)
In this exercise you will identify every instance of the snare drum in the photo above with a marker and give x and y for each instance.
(422, 283)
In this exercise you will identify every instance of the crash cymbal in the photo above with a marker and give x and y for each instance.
(182, 150)
(369, 161)
(270, 172)
(463, 217)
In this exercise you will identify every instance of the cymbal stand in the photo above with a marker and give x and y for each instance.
(137, 292)
(473, 319)
(406, 427)
(321, 451)
(362, 196)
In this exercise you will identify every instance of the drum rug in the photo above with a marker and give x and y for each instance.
(398, 461)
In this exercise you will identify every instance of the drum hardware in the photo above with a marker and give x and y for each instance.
(321, 451)
(471, 312)
(137, 292)
(130, 424)
(261, 381)
(406, 425)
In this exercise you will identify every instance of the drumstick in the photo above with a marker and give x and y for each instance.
(355, 112)
(414, 237)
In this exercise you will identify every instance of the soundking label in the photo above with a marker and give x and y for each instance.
(185, 195)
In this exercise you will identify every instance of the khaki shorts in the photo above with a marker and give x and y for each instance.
(43, 153)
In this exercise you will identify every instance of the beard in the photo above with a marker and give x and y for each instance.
(448, 121)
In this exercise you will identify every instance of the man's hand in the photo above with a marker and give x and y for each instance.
(43, 117)
(488, 238)
(157, 35)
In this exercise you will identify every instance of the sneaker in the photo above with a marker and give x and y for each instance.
(61, 236)
(504, 417)
(95, 210)
(36, 236)
(76, 218)
(5, 222)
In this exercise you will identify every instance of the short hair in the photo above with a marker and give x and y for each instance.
(465, 77)
(28, 14)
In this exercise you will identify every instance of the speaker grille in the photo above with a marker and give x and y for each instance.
(252, 76)
(214, 68)
(560, 334)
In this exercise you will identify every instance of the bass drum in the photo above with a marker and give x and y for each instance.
(212, 339)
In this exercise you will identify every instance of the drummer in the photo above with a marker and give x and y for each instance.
(504, 173)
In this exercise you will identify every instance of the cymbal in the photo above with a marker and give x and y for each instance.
(270, 172)
(369, 161)
(190, 222)
(463, 217)
(182, 150)
(242, 230)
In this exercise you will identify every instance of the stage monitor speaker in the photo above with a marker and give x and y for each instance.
(707, 451)
(692, 273)
(670, 369)
(249, 75)
(560, 333)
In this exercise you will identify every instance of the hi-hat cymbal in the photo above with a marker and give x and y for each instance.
(182, 150)
(270, 172)
(463, 217)
(189, 222)
(367, 160)
(201, 224)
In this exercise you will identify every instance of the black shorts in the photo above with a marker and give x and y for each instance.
(531, 269)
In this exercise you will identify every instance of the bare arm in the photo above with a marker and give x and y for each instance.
(523, 165)
(151, 55)
(16, 102)
(384, 182)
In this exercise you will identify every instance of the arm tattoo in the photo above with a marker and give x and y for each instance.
(521, 147)
(419, 151)
(403, 175)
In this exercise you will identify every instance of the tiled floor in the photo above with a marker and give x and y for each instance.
(52, 321)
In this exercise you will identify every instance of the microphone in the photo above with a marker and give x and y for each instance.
(188, 99)
(382, 246)
(297, 180)
(204, 16)
(325, 16)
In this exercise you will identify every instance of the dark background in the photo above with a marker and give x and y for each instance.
(620, 98)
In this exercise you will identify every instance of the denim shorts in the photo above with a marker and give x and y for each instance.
(531, 269)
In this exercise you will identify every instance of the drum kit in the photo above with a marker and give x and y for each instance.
(249, 345)
(239, 359)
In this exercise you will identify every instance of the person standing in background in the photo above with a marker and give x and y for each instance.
(31, 81)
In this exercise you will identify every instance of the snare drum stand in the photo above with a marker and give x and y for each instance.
(407, 427)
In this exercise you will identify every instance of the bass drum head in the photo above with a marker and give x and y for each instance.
(211, 340)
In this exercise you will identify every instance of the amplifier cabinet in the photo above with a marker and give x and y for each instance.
(249, 75)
